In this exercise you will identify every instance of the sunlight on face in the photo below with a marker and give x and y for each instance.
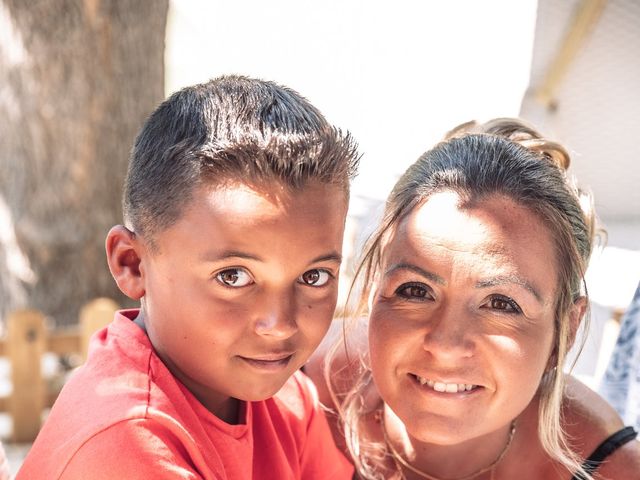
(461, 325)
(243, 287)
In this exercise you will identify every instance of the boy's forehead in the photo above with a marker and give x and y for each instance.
(245, 195)
(259, 221)
(248, 194)
(247, 199)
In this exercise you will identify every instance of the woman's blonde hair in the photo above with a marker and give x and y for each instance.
(508, 157)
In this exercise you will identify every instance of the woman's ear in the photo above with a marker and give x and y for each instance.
(124, 255)
(576, 314)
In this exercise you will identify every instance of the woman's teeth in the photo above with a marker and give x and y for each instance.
(446, 387)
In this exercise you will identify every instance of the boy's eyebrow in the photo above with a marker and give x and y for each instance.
(217, 256)
(415, 269)
(510, 279)
(330, 257)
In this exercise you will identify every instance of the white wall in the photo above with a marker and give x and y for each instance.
(398, 74)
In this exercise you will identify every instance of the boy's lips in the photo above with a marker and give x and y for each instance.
(272, 361)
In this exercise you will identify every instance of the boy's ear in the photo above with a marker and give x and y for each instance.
(124, 258)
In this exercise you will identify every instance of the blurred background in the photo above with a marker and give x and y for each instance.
(78, 78)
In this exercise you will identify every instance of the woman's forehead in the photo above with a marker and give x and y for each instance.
(486, 221)
(492, 234)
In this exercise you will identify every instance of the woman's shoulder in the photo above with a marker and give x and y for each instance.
(586, 414)
(590, 421)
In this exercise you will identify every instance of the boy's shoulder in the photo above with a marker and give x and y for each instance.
(115, 390)
(113, 384)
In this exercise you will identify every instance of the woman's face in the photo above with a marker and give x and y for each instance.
(462, 317)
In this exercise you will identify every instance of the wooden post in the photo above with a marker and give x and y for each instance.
(94, 315)
(26, 342)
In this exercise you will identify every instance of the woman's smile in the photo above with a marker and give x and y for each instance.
(444, 387)
(454, 316)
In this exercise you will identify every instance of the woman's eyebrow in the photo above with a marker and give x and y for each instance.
(510, 279)
(415, 269)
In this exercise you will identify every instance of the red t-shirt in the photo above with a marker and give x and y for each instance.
(124, 416)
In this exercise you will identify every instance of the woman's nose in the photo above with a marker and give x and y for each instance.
(449, 334)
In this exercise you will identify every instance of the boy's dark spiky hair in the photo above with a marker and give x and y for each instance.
(230, 128)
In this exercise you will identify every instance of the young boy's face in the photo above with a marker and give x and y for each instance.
(243, 287)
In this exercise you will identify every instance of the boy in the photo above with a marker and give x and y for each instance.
(234, 205)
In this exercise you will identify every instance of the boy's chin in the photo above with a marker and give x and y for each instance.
(263, 393)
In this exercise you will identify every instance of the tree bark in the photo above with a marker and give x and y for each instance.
(77, 80)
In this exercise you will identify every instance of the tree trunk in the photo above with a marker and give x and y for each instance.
(77, 79)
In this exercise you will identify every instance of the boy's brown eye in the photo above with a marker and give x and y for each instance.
(315, 277)
(234, 277)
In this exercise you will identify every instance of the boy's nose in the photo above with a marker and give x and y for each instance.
(278, 320)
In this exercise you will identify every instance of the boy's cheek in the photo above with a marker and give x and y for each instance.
(318, 324)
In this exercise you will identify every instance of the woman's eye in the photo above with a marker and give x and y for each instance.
(234, 277)
(505, 304)
(413, 291)
(315, 277)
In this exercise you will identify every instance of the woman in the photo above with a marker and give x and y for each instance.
(475, 290)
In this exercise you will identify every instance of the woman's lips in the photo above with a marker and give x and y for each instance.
(444, 387)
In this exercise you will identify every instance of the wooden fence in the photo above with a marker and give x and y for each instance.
(26, 341)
